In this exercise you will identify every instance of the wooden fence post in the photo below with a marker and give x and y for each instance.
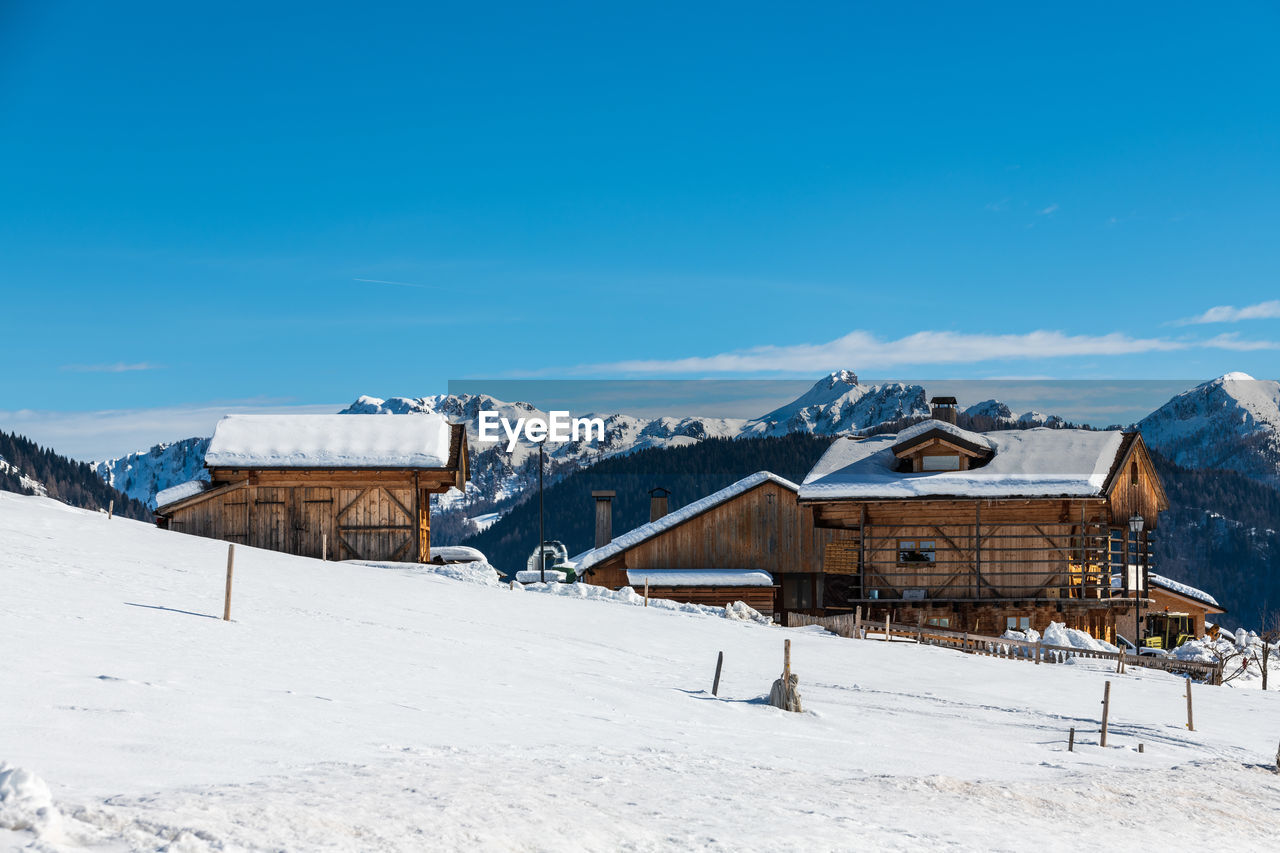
(1106, 711)
(1039, 651)
(324, 546)
(920, 628)
(886, 627)
(715, 685)
(111, 508)
(1071, 740)
(786, 663)
(1190, 720)
(857, 623)
(646, 592)
(226, 603)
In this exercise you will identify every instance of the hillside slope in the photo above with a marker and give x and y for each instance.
(26, 468)
(355, 708)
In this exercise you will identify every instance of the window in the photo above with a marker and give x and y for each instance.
(915, 550)
(1133, 473)
(940, 622)
(797, 592)
(940, 463)
(1017, 623)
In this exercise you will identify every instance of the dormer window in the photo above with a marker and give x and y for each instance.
(935, 446)
(943, 462)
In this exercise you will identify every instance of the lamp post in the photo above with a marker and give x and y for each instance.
(542, 537)
(1136, 524)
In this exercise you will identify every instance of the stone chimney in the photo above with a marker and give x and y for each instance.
(604, 516)
(658, 503)
(943, 409)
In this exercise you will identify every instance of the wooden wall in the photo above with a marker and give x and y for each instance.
(349, 515)
(1136, 489)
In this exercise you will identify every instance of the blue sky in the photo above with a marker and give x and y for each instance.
(204, 208)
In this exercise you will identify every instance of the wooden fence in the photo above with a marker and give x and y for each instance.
(851, 626)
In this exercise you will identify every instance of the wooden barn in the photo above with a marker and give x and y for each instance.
(335, 486)
(747, 542)
(987, 531)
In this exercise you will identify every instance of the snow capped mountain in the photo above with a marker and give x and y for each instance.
(28, 484)
(140, 475)
(993, 409)
(1229, 422)
(839, 404)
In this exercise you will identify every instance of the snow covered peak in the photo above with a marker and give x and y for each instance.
(993, 409)
(838, 404)
(1229, 422)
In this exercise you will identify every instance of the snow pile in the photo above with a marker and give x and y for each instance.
(536, 576)
(1058, 634)
(738, 611)
(698, 577)
(25, 803)
(1240, 655)
(456, 554)
(476, 572)
(329, 441)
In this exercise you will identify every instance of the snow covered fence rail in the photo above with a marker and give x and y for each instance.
(851, 625)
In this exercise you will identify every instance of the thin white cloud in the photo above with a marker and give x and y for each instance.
(871, 352)
(117, 367)
(110, 433)
(1269, 310)
(1051, 209)
(1232, 341)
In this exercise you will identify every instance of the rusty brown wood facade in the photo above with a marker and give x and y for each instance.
(976, 564)
(367, 514)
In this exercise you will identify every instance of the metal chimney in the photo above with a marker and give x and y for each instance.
(943, 409)
(604, 516)
(658, 502)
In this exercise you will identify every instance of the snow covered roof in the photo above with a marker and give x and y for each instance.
(1025, 463)
(699, 577)
(1182, 589)
(180, 492)
(330, 441)
(907, 436)
(587, 559)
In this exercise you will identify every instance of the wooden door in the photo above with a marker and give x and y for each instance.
(235, 515)
(376, 523)
(268, 526)
(313, 520)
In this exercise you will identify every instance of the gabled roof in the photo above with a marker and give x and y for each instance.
(631, 538)
(1033, 463)
(332, 441)
(927, 431)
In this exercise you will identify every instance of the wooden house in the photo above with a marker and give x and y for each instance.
(1175, 609)
(335, 486)
(747, 542)
(987, 531)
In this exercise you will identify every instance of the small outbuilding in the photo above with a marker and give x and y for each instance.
(338, 486)
(747, 542)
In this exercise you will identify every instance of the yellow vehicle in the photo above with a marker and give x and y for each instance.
(1168, 630)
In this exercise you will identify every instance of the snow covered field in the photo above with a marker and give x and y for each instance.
(354, 707)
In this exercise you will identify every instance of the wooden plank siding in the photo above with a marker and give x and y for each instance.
(762, 528)
(370, 515)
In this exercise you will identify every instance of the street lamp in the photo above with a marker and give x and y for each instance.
(1136, 524)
